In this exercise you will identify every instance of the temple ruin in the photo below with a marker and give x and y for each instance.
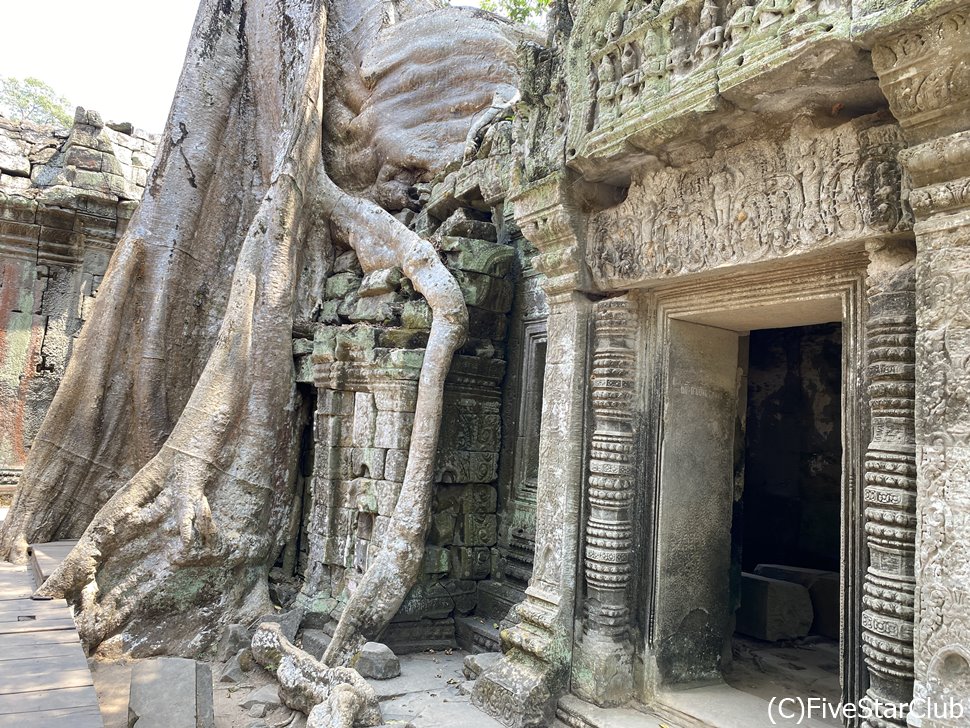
(711, 416)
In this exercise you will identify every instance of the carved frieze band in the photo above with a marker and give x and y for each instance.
(609, 526)
(655, 58)
(756, 201)
(890, 497)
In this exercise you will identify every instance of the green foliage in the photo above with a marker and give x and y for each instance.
(31, 99)
(519, 11)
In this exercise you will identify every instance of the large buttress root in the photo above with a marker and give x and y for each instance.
(332, 697)
(380, 241)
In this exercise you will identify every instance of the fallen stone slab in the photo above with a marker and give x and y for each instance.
(773, 610)
(797, 574)
(170, 692)
(826, 593)
(234, 638)
(268, 696)
(315, 642)
(377, 662)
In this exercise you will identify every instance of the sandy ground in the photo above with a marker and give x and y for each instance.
(428, 694)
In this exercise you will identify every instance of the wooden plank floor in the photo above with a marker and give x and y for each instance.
(44, 676)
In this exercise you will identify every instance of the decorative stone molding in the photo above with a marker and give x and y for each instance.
(890, 483)
(548, 219)
(644, 69)
(603, 667)
(757, 201)
(521, 689)
(925, 76)
(925, 73)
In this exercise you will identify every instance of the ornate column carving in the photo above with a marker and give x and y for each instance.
(603, 667)
(522, 688)
(925, 73)
(890, 483)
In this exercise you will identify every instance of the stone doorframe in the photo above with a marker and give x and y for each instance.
(833, 284)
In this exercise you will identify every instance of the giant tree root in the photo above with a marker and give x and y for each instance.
(332, 697)
(380, 241)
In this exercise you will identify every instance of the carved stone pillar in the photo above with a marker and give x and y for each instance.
(522, 688)
(890, 484)
(603, 667)
(925, 73)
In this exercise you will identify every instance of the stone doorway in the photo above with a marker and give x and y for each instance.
(785, 533)
(704, 347)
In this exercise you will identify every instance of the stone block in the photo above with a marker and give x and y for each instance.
(267, 696)
(170, 692)
(234, 637)
(482, 291)
(474, 498)
(288, 621)
(378, 282)
(393, 430)
(347, 262)
(404, 338)
(340, 285)
(369, 310)
(376, 661)
(826, 594)
(442, 531)
(773, 610)
(464, 223)
(462, 466)
(478, 256)
(15, 164)
(796, 574)
(436, 560)
(366, 462)
(395, 463)
(475, 665)
(365, 419)
(416, 315)
(315, 642)
(474, 563)
(478, 529)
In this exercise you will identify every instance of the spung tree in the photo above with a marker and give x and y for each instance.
(171, 447)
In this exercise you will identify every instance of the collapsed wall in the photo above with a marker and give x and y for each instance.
(66, 196)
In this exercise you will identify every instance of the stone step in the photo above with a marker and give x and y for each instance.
(477, 634)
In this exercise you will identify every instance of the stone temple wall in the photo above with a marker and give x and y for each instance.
(65, 199)
(364, 360)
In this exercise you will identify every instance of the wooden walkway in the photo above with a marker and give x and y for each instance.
(44, 676)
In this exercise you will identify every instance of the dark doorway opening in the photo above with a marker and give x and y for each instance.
(786, 530)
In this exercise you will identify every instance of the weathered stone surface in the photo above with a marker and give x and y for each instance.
(773, 610)
(476, 664)
(235, 637)
(315, 641)
(267, 696)
(376, 661)
(170, 692)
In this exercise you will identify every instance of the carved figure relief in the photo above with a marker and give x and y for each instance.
(758, 200)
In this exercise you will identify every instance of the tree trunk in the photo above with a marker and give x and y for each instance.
(172, 442)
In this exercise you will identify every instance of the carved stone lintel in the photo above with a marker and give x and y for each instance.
(603, 667)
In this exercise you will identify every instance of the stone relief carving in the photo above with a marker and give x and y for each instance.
(605, 675)
(918, 82)
(643, 49)
(758, 200)
(890, 482)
